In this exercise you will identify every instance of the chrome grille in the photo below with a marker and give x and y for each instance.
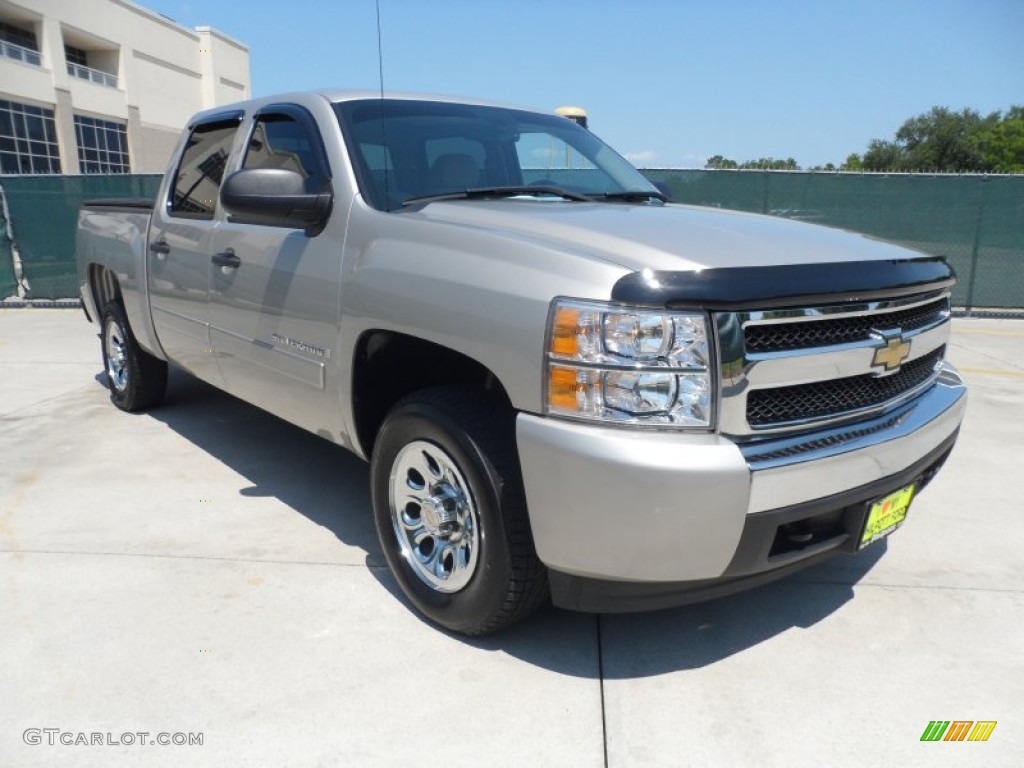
(830, 441)
(790, 370)
(780, 337)
(826, 398)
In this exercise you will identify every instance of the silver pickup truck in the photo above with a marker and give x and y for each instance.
(564, 385)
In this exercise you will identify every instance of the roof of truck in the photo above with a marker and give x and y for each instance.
(335, 95)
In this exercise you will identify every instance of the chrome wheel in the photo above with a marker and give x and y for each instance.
(117, 358)
(434, 517)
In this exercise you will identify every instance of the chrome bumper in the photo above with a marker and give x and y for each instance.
(639, 506)
(790, 471)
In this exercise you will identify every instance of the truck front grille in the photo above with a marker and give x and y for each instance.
(800, 368)
(780, 337)
(828, 398)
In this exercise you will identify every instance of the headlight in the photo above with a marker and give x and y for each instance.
(615, 364)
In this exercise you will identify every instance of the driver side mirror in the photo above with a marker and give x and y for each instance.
(275, 197)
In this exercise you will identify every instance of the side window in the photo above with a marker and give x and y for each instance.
(279, 141)
(197, 181)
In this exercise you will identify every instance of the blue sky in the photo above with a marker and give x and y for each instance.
(667, 82)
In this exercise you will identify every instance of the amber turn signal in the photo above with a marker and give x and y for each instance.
(565, 331)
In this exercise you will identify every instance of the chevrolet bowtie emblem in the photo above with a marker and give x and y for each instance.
(892, 355)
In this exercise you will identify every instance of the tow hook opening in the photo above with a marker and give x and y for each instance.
(808, 532)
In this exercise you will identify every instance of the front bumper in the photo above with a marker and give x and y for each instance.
(632, 520)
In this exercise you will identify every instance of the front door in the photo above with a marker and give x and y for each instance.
(274, 291)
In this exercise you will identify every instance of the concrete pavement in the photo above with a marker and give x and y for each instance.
(206, 568)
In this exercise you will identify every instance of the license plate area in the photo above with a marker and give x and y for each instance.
(886, 514)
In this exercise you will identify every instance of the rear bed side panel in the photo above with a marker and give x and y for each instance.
(112, 235)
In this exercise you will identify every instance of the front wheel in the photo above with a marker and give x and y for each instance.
(451, 514)
(136, 379)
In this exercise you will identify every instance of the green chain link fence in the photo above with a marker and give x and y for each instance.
(43, 215)
(8, 285)
(977, 222)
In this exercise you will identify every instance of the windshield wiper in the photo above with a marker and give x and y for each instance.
(630, 195)
(484, 193)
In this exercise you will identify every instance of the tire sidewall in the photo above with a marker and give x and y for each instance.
(113, 316)
(470, 606)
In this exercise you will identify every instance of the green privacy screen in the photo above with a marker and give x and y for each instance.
(8, 286)
(44, 211)
(977, 222)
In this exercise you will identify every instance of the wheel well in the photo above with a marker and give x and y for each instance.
(389, 366)
(104, 287)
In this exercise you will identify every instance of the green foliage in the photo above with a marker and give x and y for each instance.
(853, 163)
(1003, 144)
(884, 156)
(940, 140)
(771, 164)
(718, 163)
(946, 141)
(952, 142)
(762, 164)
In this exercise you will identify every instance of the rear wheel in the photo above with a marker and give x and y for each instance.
(451, 514)
(136, 379)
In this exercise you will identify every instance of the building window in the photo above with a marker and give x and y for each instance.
(26, 38)
(19, 44)
(75, 55)
(77, 60)
(102, 146)
(28, 139)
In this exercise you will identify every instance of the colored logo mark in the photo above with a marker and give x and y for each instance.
(958, 730)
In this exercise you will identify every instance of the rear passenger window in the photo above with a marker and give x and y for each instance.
(197, 181)
(279, 141)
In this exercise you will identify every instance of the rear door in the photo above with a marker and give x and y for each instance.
(180, 245)
(275, 291)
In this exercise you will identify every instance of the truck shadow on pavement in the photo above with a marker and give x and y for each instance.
(330, 487)
(631, 646)
(316, 478)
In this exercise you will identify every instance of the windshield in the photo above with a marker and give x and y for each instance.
(427, 148)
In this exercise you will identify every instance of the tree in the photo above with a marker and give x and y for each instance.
(853, 163)
(1002, 145)
(884, 156)
(761, 164)
(951, 142)
(718, 162)
(771, 164)
(941, 140)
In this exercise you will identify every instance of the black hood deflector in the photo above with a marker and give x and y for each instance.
(786, 285)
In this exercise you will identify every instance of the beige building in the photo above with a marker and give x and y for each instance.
(105, 86)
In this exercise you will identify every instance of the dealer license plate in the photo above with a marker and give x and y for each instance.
(886, 515)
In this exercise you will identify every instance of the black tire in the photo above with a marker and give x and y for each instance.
(136, 379)
(508, 582)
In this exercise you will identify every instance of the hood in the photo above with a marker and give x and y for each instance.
(669, 237)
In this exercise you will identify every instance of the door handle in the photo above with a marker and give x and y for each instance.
(227, 258)
(160, 248)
